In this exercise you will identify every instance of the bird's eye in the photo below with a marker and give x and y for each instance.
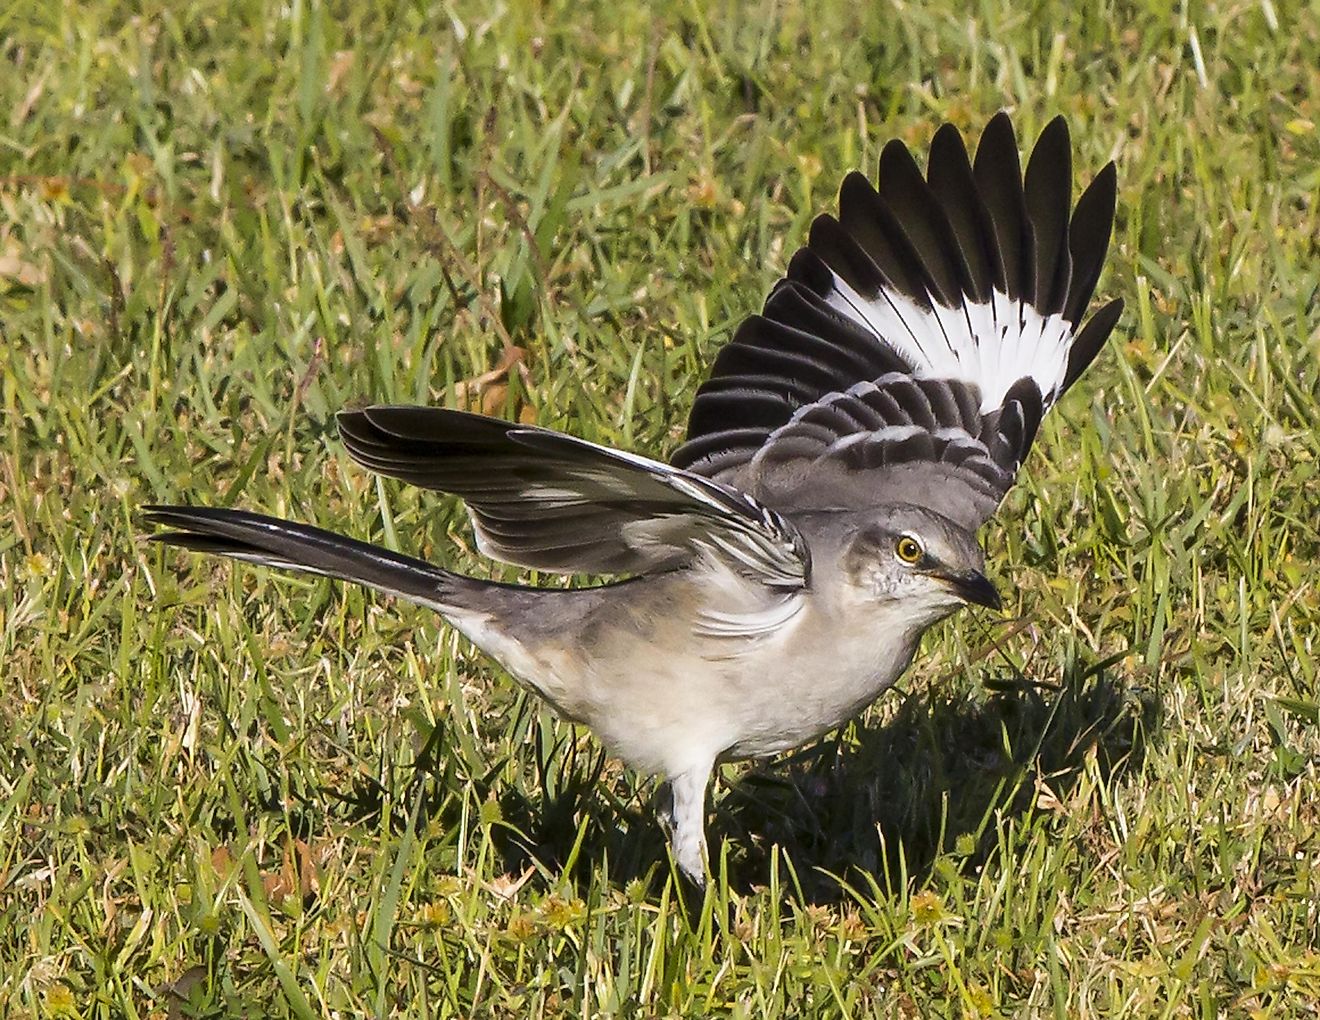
(908, 549)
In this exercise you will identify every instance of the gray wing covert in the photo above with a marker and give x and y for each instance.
(553, 502)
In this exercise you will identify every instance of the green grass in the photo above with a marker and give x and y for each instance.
(227, 792)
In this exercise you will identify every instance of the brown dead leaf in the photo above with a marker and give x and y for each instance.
(492, 398)
(1046, 800)
(278, 885)
(298, 875)
(21, 112)
(489, 391)
(309, 875)
(22, 272)
(340, 64)
(222, 861)
(506, 886)
(180, 989)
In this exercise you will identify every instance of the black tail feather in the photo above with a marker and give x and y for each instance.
(273, 542)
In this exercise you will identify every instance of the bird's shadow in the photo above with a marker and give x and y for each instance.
(882, 800)
(878, 801)
(934, 780)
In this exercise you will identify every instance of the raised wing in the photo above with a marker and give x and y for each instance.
(918, 338)
(549, 501)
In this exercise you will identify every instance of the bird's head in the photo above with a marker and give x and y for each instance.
(918, 558)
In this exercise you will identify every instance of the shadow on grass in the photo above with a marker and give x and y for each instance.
(927, 781)
(931, 780)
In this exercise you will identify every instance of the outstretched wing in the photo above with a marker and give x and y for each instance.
(918, 338)
(549, 501)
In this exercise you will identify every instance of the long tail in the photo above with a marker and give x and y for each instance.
(273, 542)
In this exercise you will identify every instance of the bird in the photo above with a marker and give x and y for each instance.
(776, 575)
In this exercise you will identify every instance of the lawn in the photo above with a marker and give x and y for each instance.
(227, 792)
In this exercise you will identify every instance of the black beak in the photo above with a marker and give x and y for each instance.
(974, 589)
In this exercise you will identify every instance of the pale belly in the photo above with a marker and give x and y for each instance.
(772, 724)
(667, 702)
(663, 714)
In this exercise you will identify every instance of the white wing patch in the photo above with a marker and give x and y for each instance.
(990, 344)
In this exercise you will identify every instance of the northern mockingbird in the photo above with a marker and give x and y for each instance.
(822, 513)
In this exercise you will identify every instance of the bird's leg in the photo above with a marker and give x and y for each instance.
(664, 809)
(684, 820)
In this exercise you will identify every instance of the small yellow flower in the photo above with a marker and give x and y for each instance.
(436, 914)
(559, 913)
(520, 928)
(37, 566)
(927, 908)
(703, 192)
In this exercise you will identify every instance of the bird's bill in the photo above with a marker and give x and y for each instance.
(974, 589)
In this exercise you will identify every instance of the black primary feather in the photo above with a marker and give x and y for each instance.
(905, 281)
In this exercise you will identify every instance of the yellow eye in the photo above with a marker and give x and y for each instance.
(908, 549)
